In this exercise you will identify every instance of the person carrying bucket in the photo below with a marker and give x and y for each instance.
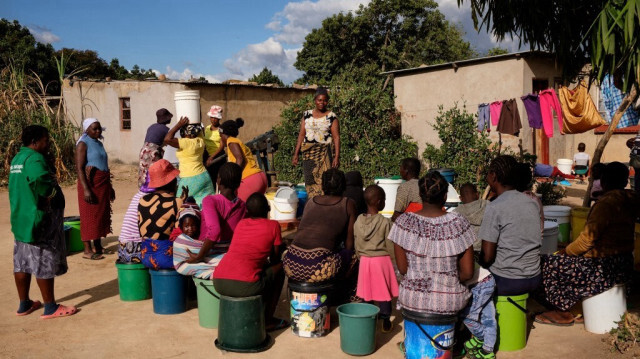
(376, 276)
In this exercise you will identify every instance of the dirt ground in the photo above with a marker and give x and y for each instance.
(106, 327)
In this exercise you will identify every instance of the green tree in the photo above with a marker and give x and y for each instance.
(495, 51)
(87, 61)
(138, 73)
(117, 71)
(463, 148)
(604, 34)
(391, 34)
(266, 77)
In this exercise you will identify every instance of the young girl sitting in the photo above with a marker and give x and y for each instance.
(376, 277)
(252, 266)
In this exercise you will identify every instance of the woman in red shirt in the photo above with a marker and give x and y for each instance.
(252, 265)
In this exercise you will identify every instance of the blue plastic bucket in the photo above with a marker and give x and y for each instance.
(428, 335)
(302, 200)
(448, 173)
(169, 291)
(309, 308)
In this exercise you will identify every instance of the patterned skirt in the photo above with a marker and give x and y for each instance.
(568, 279)
(199, 186)
(156, 254)
(202, 270)
(316, 159)
(46, 257)
(95, 218)
(149, 154)
(130, 252)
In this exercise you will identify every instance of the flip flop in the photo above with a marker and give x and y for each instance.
(62, 311)
(35, 305)
(281, 325)
(94, 257)
(551, 321)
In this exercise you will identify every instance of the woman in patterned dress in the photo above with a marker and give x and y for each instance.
(318, 130)
(434, 250)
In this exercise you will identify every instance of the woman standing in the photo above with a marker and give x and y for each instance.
(37, 209)
(253, 178)
(95, 193)
(318, 129)
(212, 142)
(190, 152)
(153, 144)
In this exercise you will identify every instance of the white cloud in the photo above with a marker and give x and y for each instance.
(270, 53)
(187, 74)
(43, 34)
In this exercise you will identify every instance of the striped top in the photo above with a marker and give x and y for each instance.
(431, 284)
(130, 231)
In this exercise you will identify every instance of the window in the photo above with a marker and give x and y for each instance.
(125, 113)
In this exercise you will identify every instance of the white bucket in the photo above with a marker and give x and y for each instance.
(453, 199)
(602, 311)
(390, 187)
(188, 104)
(549, 238)
(285, 204)
(564, 165)
(560, 215)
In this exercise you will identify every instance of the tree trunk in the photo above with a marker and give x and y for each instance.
(626, 102)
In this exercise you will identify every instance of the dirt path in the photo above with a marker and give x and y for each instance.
(106, 327)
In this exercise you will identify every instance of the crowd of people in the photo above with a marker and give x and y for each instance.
(210, 221)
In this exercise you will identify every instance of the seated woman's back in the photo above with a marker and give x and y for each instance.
(157, 215)
(324, 223)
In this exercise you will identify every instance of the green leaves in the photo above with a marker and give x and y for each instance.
(266, 77)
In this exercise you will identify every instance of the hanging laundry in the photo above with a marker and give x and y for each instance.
(483, 117)
(495, 107)
(532, 106)
(578, 110)
(549, 101)
(509, 118)
(613, 97)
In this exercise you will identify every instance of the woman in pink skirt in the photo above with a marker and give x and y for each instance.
(376, 276)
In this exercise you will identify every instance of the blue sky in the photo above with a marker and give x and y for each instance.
(218, 39)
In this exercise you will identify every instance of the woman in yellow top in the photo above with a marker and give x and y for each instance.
(212, 142)
(190, 147)
(253, 178)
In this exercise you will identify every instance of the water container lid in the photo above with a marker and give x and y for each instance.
(287, 193)
(563, 210)
(549, 225)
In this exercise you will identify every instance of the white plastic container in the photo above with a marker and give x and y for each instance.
(390, 187)
(562, 216)
(564, 165)
(602, 311)
(549, 238)
(188, 104)
(285, 204)
(453, 199)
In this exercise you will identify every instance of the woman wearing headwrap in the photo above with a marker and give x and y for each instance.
(190, 152)
(153, 150)
(95, 193)
(212, 142)
(253, 178)
(318, 130)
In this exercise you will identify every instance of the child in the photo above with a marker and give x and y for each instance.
(472, 208)
(376, 276)
(581, 162)
(596, 173)
(354, 191)
(252, 266)
(408, 192)
(480, 315)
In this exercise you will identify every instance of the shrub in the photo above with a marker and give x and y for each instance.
(463, 148)
(551, 194)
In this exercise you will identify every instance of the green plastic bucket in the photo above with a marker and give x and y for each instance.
(208, 303)
(134, 282)
(358, 328)
(241, 327)
(74, 243)
(512, 322)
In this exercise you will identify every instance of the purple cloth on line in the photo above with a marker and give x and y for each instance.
(532, 105)
(156, 133)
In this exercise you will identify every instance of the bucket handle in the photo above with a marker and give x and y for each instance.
(443, 348)
(283, 212)
(207, 289)
(517, 305)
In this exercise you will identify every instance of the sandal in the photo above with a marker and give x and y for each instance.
(94, 257)
(62, 311)
(550, 321)
(35, 305)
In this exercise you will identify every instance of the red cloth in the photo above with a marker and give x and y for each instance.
(95, 219)
(250, 248)
(413, 207)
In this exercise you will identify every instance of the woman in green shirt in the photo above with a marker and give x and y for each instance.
(36, 222)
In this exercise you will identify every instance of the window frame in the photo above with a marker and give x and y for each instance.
(121, 101)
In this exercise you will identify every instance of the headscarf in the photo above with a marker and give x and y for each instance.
(215, 112)
(191, 130)
(85, 125)
(189, 208)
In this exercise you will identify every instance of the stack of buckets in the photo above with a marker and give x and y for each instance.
(390, 187)
(559, 215)
(549, 238)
